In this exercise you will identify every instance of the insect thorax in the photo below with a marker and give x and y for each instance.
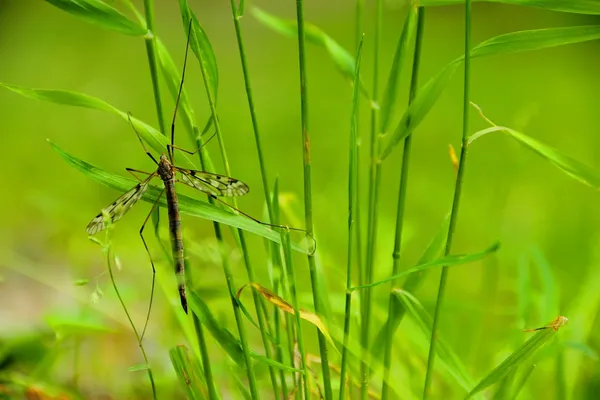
(165, 168)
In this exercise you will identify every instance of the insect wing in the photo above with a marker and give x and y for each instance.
(213, 184)
(119, 207)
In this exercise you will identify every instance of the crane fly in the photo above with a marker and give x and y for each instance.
(212, 184)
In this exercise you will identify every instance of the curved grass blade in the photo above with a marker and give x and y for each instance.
(514, 42)
(100, 13)
(188, 372)
(568, 165)
(388, 99)
(154, 138)
(544, 335)
(343, 60)
(201, 48)
(288, 308)
(188, 205)
(570, 6)
(448, 261)
(446, 354)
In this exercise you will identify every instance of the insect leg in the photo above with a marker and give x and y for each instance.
(172, 147)
(140, 139)
(151, 262)
(134, 171)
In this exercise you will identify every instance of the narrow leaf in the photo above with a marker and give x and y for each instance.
(449, 360)
(447, 261)
(100, 13)
(201, 48)
(187, 205)
(570, 166)
(514, 42)
(150, 135)
(413, 281)
(570, 6)
(391, 88)
(288, 308)
(520, 355)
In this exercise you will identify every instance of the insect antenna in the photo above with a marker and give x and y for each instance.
(187, 47)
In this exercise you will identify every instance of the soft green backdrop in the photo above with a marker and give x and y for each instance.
(510, 193)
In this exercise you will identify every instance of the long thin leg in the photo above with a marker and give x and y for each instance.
(314, 249)
(134, 171)
(171, 146)
(187, 46)
(140, 139)
(151, 262)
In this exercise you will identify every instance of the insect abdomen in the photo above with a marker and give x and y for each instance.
(176, 239)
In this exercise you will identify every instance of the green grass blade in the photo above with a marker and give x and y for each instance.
(514, 42)
(447, 261)
(154, 138)
(188, 205)
(520, 355)
(570, 6)
(388, 99)
(537, 39)
(568, 165)
(201, 47)
(188, 372)
(446, 355)
(342, 59)
(100, 13)
(520, 384)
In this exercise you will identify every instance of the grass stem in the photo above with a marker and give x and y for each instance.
(455, 201)
(401, 205)
(308, 212)
(373, 210)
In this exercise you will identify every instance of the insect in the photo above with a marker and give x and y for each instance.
(556, 323)
(212, 184)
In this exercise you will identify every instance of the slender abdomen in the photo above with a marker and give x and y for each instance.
(176, 239)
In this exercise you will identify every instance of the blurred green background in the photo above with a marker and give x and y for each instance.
(510, 193)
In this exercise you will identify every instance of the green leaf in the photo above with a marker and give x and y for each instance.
(413, 281)
(188, 372)
(568, 165)
(342, 59)
(520, 355)
(448, 358)
(187, 205)
(508, 43)
(202, 49)
(100, 13)
(570, 6)
(391, 88)
(154, 138)
(447, 261)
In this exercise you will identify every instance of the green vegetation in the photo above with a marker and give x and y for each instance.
(413, 273)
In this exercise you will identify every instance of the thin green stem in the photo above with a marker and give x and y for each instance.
(265, 182)
(352, 201)
(213, 394)
(109, 259)
(389, 335)
(308, 212)
(227, 271)
(291, 275)
(373, 210)
(455, 201)
(152, 63)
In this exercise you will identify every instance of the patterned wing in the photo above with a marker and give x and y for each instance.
(119, 207)
(213, 184)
